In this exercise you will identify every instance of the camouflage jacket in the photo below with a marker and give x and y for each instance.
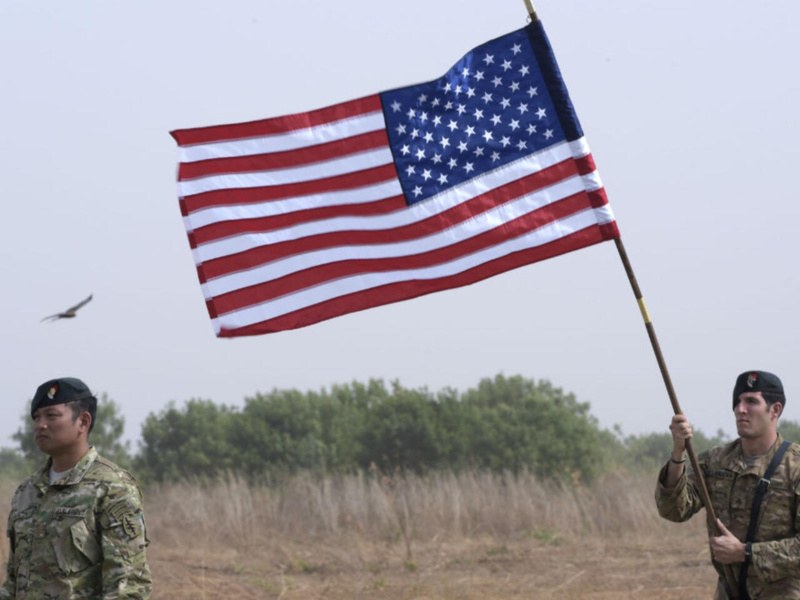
(775, 564)
(81, 537)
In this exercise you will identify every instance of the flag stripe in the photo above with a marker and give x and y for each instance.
(390, 229)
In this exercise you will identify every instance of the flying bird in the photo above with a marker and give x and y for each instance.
(70, 312)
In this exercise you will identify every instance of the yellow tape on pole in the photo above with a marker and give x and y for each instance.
(643, 308)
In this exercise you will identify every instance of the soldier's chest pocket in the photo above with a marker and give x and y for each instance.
(780, 504)
(75, 546)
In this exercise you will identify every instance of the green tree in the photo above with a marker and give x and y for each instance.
(106, 435)
(790, 430)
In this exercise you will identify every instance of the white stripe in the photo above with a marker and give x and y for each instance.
(359, 283)
(416, 212)
(468, 229)
(362, 195)
(579, 148)
(604, 214)
(377, 157)
(281, 142)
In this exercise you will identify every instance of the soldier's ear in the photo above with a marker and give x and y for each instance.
(85, 421)
(777, 409)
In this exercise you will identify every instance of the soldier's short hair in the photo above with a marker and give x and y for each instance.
(84, 405)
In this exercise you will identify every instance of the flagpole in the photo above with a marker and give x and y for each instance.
(531, 11)
(662, 365)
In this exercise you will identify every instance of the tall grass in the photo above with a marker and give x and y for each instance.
(411, 508)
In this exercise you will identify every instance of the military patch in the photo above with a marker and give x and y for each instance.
(131, 526)
(77, 512)
(752, 379)
(51, 393)
(121, 510)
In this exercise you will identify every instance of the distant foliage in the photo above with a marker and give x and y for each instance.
(506, 423)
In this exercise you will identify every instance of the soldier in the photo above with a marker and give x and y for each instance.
(753, 483)
(76, 528)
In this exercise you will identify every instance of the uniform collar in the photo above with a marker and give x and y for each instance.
(75, 475)
(732, 458)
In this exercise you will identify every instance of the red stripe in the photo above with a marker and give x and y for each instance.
(233, 197)
(585, 164)
(225, 229)
(285, 159)
(406, 290)
(322, 273)
(276, 125)
(478, 205)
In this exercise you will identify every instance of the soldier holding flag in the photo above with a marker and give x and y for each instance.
(754, 486)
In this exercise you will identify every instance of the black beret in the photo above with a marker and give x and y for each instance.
(59, 391)
(757, 381)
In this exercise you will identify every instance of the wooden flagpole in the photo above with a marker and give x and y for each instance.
(662, 365)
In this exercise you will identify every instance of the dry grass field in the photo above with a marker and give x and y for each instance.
(468, 537)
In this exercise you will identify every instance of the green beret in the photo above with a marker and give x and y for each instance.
(59, 391)
(756, 381)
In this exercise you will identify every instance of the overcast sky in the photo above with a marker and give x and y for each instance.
(690, 110)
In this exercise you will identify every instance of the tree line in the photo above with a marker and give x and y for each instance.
(503, 424)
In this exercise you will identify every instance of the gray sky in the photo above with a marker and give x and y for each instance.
(689, 108)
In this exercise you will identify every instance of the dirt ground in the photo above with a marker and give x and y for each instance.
(675, 566)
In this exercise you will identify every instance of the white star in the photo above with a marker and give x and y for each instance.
(506, 65)
(457, 90)
(488, 59)
(414, 133)
(465, 72)
(496, 119)
(548, 134)
(445, 142)
(447, 87)
(532, 91)
(462, 147)
(522, 108)
(479, 75)
(478, 151)
(478, 114)
(417, 191)
(428, 136)
(470, 92)
(522, 144)
(531, 129)
(461, 109)
(448, 106)
(396, 106)
(505, 103)
(411, 113)
(452, 163)
(524, 70)
(426, 174)
(411, 170)
(487, 135)
(487, 97)
(497, 81)
(423, 117)
(470, 130)
(514, 124)
(541, 113)
(400, 129)
(442, 179)
(505, 141)
(422, 98)
(514, 86)
(452, 125)
(495, 156)
(435, 102)
(468, 167)
(405, 149)
(516, 49)
(420, 154)
(437, 120)
(437, 158)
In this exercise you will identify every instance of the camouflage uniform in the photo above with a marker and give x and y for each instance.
(81, 537)
(775, 564)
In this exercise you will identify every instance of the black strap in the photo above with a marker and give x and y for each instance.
(761, 490)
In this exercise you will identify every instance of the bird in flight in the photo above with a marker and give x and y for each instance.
(70, 312)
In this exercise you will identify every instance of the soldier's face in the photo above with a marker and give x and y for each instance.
(753, 417)
(55, 429)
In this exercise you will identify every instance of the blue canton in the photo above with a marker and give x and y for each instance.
(490, 109)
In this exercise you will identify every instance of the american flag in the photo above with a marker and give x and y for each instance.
(297, 219)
